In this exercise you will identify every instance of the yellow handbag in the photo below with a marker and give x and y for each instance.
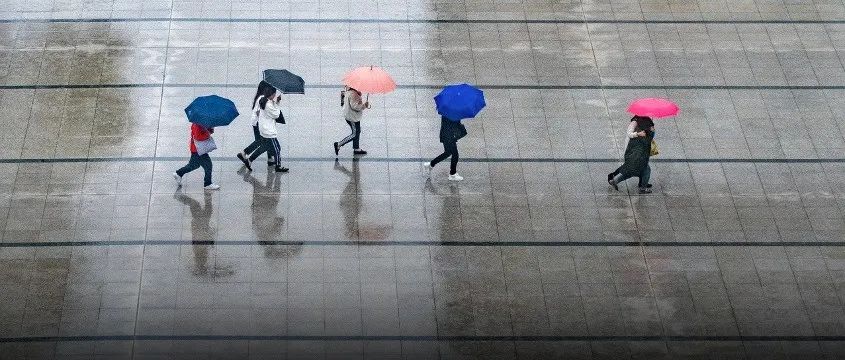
(654, 150)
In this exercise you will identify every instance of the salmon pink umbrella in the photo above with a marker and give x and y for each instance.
(653, 107)
(370, 79)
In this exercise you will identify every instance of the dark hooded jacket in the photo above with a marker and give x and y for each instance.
(451, 131)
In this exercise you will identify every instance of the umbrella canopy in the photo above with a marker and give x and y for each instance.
(457, 102)
(653, 107)
(211, 111)
(285, 81)
(370, 79)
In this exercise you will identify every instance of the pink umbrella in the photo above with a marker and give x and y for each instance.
(653, 107)
(370, 79)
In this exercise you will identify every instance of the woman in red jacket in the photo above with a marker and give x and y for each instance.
(198, 133)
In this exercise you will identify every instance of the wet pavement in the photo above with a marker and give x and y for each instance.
(738, 253)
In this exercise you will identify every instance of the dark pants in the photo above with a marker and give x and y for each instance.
(272, 147)
(196, 162)
(256, 145)
(355, 136)
(449, 149)
(644, 176)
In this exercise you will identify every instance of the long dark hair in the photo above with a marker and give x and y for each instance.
(264, 89)
(644, 123)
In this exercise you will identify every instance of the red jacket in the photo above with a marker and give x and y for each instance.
(199, 133)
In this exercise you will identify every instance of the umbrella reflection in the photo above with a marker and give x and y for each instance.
(202, 236)
(266, 223)
(350, 205)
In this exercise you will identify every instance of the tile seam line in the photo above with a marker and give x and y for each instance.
(506, 338)
(94, 243)
(417, 159)
(415, 21)
(432, 86)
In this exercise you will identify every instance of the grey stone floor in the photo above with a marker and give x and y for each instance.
(738, 254)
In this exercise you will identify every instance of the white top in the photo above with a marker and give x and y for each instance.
(266, 118)
(353, 106)
(631, 132)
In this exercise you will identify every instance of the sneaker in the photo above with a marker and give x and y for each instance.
(212, 187)
(609, 178)
(645, 190)
(244, 160)
(177, 178)
(456, 177)
(359, 152)
(281, 169)
(336, 149)
(427, 167)
(614, 184)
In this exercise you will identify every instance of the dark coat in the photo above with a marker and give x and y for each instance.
(451, 131)
(636, 155)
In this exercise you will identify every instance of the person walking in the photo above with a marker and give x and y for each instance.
(450, 133)
(269, 113)
(266, 90)
(198, 159)
(637, 154)
(631, 133)
(353, 108)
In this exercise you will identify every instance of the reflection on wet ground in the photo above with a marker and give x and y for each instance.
(737, 254)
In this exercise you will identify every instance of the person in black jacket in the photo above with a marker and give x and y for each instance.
(450, 133)
(637, 154)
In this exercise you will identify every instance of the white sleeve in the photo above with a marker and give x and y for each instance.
(632, 130)
(273, 110)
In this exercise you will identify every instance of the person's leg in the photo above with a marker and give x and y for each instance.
(277, 151)
(205, 161)
(442, 156)
(263, 147)
(349, 137)
(620, 178)
(256, 142)
(453, 150)
(193, 164)
(356, 140)
(645, 176)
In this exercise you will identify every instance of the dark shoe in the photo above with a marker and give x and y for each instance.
(646, 186)
(359, 152)
(645, 190)
(614, 184)
(336, 149)
(281, 169)
(245, 161)
(610, 177)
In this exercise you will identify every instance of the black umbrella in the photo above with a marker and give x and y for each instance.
(285, 81)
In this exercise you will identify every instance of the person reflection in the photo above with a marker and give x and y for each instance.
(350, 205)
(202, 236)
(450, 230)
(266, 223)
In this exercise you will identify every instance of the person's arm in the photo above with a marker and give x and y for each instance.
(632, 130)
(273, 109)
(199, 133)
(355, 102)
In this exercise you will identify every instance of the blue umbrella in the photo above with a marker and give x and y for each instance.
(211, 111)
(457, 102)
